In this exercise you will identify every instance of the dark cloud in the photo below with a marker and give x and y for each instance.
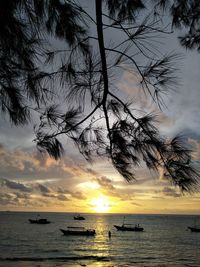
(51, 195)
(42, 199)
(107, 187)
(63, 191)
(60, 197)
(17, 199)
(105, 182)
(170, 192)
(22, 195)
(7, 199)
(16, 186)
(77, 194)
(43, 188)
(90, 171)
(29, 165)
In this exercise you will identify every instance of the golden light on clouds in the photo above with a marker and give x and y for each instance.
(89, 185)
(68, 186)
(100, 204)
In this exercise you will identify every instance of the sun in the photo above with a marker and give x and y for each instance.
(100, 204)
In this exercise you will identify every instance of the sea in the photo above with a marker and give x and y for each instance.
(164, 242)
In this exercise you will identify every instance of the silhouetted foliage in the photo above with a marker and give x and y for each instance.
(78, 71)
(186, 16)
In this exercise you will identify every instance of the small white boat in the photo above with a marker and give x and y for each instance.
(78, 231)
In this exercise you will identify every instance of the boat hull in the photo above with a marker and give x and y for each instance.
(41, 221)
(194, 229)
(79, 233)
(133, 229)
(79, 218)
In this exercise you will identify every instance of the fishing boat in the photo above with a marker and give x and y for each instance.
(79, 218)
(71, 230)
(129, 227)
(194, 229)
(39, 221)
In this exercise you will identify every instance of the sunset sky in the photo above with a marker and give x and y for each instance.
(31, 181)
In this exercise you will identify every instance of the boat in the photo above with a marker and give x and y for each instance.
(79, 218)
(39, 221)
(194, 229)
(78, 231)
(129, 227)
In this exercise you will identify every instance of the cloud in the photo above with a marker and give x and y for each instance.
(76, 194)
(16, 185)
(18, 199)
(22, 164)
(23, 188)
(60, 197)
(27, 200)
(143, 102)
(107, 187)
(120, 189)
(196, 148)
(43, 188)
(169, 192)
(105, 183)
(94, 173)
(7, 199)
(26, 169)
(22, 195)
(136, 204)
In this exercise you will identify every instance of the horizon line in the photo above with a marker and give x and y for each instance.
(100, 213)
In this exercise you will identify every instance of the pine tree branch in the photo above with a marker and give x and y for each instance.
(135, 64)
(104, 64)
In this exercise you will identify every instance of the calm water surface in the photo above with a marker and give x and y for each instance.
(165, 241)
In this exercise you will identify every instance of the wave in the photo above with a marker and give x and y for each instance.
(73, 258)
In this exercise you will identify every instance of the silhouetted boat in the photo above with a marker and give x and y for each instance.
(194, 229)
(129, 227)
(39, 221)
(78, 231)
(79, 218)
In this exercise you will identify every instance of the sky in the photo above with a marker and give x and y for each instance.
(31, 181)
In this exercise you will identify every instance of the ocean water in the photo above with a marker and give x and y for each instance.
(164, 242)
